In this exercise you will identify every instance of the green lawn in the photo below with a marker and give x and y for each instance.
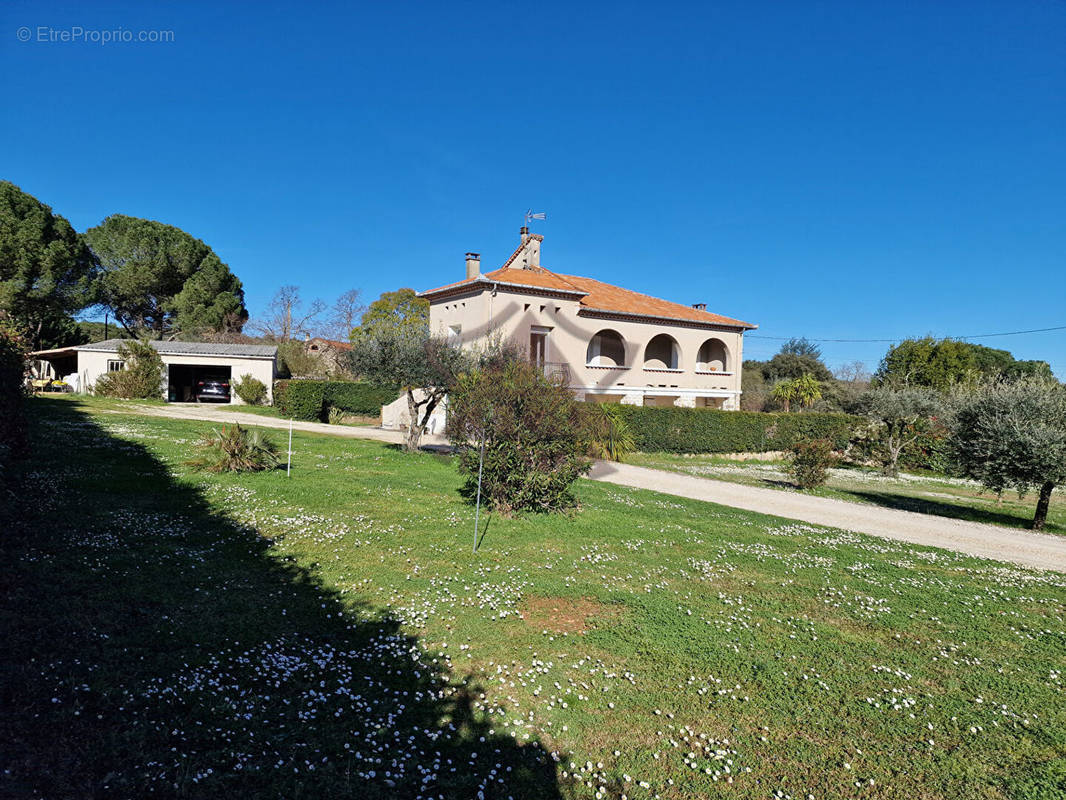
(332, 635)
(926, 494)
(272, 411)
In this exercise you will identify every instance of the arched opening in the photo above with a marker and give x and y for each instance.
(661, 353)
(713, 356)
(606, 349)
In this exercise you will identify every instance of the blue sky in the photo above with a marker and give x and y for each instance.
(831, 170)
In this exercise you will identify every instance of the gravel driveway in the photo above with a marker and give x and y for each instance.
(1041, 551)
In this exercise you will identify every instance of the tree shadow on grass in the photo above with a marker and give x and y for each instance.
(154, 646)
(942, 508)
(921, 505)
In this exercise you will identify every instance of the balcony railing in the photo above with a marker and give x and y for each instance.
(555, 370)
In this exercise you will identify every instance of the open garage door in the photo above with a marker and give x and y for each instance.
(192, 383)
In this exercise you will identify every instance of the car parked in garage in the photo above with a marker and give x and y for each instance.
(212, 389)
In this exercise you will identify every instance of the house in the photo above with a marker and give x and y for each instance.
(608, 344)
(184, 363)
(330, 352)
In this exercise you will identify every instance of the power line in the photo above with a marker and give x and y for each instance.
(890, 341)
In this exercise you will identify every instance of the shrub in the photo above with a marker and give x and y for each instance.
(810, 462)
(142, 377)
(930, 451)
(706, 430)
(531, 428)
(336, 416)
(606, 432)
(301, 399)
(251, 390)
(235, 449)
(312, 400)
(357, 397)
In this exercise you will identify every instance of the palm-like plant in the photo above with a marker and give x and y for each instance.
(608, 433)
(804, 390)
(784, 392)
(807, 390)
(235, 449)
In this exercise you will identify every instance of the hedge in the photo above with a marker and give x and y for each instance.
(706, 430)
(312, 400)
(365, 399)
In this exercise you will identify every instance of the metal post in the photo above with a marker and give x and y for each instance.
(477, 509)
(288, 464)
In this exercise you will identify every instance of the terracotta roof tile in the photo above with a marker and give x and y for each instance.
(596, 295)
(607, 297)
(334, 343)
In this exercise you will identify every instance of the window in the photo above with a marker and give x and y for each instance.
(606, 349)
(455, 334)
(115, 365)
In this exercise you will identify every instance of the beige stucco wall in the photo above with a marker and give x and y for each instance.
(93, 363)
(513, 314)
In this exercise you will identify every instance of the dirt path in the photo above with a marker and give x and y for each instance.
(1041, 551)
(216, 414)
(987, 541)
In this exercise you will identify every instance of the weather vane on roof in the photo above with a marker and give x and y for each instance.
(531, 215)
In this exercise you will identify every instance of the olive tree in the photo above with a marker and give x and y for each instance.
(901, 415)
(1013, 435)
(425, 368)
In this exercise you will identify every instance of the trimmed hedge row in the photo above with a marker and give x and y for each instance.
(708, 430)
(312, 400)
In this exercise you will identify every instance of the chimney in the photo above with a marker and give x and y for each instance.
(524, 233)
(473, 265)
(532, 257)
(700, 306)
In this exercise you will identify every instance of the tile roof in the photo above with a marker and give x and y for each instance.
(336, 344)
(192, 348)
(595, 295)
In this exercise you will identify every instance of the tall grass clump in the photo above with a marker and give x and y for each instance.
(235, 449)
(607, 431)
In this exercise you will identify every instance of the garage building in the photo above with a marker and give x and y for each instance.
(185, 365)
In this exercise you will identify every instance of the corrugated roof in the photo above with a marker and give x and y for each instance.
(596, 295)
(193, 348)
